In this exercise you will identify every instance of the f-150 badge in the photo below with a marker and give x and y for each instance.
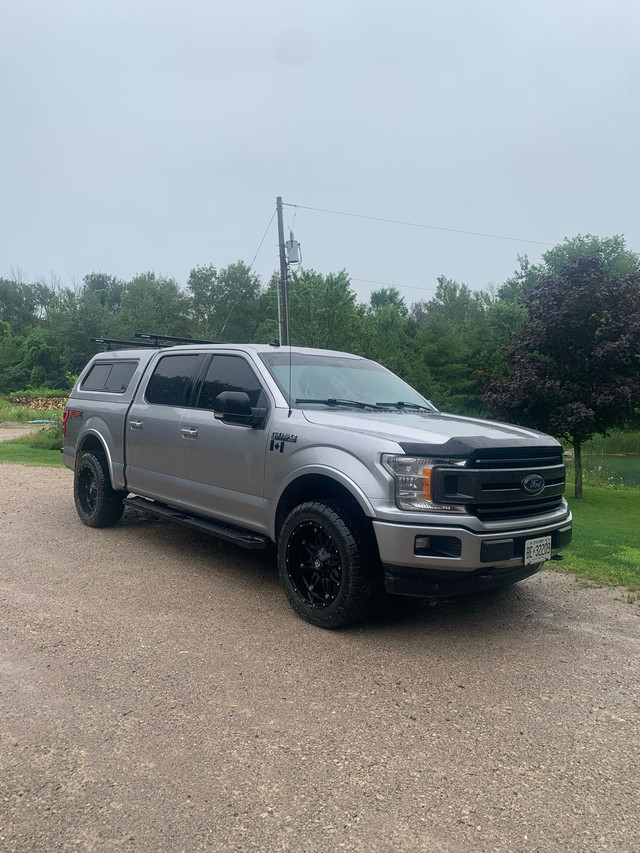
(278, 440)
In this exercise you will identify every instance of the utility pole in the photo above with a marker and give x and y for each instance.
(284, 271)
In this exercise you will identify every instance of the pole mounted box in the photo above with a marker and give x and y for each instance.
(293, 251)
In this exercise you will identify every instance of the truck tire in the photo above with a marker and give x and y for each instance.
(322, 562)
(97, 503)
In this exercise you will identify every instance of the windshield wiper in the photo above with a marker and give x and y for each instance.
(334, 401)
(403, 405)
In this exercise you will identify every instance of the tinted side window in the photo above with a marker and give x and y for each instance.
(97, 376)
(110, 376)
(228, 373)
(171, 380)
(120, 376)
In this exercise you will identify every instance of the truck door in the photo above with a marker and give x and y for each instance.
(153, 427)
(221, 464)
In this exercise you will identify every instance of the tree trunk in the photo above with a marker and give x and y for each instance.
(577, 467)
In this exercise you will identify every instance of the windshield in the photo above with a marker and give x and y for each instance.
(325, 377)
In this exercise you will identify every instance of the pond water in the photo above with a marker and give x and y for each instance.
(621, 470)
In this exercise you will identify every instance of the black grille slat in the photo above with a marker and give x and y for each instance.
(496, 487)
(526, 457)
(507, 462)
(496, 512)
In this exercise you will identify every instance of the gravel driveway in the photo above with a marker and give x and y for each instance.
(10, 431)
(158, 694)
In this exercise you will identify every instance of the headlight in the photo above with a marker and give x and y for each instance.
(412, 476)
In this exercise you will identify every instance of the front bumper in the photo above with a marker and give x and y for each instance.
(425, 560)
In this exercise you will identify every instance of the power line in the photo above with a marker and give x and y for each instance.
(233, 304)
(417, 224)
(264, 237)
(351, 278)
(390, 284)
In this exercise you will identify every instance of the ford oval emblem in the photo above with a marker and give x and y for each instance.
(533, 484)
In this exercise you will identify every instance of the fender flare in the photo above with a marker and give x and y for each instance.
(99, 436)
(328, 472)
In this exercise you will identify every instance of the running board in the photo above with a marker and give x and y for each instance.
(237, 535)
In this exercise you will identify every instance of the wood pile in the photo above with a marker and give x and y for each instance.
(39, 402)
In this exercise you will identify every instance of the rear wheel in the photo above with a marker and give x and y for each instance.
(98, 504)
(323, 561)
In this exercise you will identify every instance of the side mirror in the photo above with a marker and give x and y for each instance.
(234, 403)
(234, 407)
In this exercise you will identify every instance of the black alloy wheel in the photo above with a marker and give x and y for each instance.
(313, 563)
(87, 490)
(325, 562)
(98, 504)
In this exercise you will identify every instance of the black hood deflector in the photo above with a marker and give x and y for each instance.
(464, 447)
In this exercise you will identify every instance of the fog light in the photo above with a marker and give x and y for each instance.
(437, 546)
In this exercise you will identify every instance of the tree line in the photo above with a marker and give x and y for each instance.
(438, 345)
(555, 346)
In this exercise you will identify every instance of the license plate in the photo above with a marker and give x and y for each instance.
(537, 550)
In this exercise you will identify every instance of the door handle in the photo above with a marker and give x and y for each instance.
(135, 424)
(189, 432)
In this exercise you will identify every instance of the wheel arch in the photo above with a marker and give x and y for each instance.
(92, 442)
(316, 486)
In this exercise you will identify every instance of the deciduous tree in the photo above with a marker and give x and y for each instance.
(451, 339)
(224, 304)
(323, 311)
(574, 370)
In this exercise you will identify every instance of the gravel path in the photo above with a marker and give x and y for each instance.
(9, 432)
(158, 694)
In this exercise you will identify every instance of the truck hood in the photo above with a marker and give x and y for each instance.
(423, 433)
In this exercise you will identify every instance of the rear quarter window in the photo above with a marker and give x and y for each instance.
(112, 377)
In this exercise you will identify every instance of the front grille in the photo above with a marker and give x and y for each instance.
(491, 484)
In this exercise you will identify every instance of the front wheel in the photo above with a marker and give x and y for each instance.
(98, 504)
(323, 564)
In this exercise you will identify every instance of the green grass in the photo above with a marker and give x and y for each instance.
(42, 448)
(39, 393)
(14, 413)
(606, 544)
(23, 454)
(617, 443)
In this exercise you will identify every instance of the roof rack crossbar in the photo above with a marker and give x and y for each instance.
(114, 342)
(171, 339)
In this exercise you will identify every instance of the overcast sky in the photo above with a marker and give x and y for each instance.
(154, 135)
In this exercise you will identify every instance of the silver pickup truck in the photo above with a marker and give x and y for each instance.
(362, 484)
